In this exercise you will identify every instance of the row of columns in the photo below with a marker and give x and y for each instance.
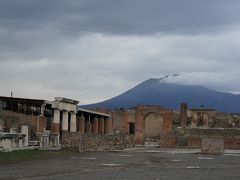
(65, 124)
(101, 126)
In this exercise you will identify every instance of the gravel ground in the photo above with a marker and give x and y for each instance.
(141, 163)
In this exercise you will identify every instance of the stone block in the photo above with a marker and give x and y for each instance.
(212, 145)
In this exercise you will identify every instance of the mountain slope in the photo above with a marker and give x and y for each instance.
(158, 92)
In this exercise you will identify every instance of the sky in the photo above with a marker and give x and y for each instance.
(92, 50)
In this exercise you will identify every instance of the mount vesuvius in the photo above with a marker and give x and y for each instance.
(156, 91)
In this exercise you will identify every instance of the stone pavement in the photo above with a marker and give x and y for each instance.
(138, 163)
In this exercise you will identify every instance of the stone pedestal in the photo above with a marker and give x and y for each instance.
(24, 130)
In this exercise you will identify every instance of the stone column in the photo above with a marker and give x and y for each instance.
(194, 120)
(43, 109)
(183, 115)
(65, 121)
(82, 124)
(56, 121)
(95, 125)
(73, 127)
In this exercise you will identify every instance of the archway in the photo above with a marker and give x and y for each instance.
(153, 127)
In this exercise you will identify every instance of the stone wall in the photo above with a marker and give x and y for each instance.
(95, 142)
(138, 115)
(212, 145)
(231, 137)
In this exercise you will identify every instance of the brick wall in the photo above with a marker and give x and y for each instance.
(231, 143)
(194, 142)
(13, 119)
(168, 142)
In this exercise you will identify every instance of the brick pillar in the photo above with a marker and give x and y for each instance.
(88, 127)
(95, 125)
(82, 124)
(110, 125)
(65, 121)
(56, 121)
(139, 128)
(101, 126)
(183, 114)
(106, 126)
(73, 127)
(125, 122)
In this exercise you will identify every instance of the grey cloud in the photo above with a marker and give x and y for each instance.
(95, 49)
(29, 28)
(120, 17)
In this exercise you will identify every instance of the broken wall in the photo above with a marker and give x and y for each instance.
(231, 137)
(95, 142)
(11, 119)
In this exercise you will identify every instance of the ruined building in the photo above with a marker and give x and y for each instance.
(62, 124)
(145, 124)
(47, 120)
(197, 125)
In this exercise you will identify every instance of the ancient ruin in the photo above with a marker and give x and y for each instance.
(62, 124)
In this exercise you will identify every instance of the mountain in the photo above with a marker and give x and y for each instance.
(159, 92)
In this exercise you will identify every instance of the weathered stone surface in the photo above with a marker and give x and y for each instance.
(95, 142)
(145, 117)
(212, 145)
(230, 136)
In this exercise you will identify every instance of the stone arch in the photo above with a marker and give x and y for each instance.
(142, 113)
(153, 126)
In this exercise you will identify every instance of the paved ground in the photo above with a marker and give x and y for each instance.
(137, 164)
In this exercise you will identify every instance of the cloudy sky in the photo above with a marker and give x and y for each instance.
(92, 50)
